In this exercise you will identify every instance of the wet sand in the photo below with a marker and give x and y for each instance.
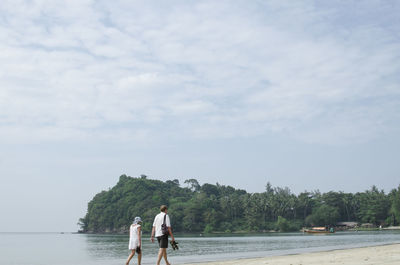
(387, 254)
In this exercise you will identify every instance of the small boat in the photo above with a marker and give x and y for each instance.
(320, 230)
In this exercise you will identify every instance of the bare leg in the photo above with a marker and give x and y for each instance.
(160, 255)
(139, 258)
(165, 257)
(130, 256)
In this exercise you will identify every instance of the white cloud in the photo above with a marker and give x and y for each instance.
(82, 69)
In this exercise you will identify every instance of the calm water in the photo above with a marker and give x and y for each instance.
(79, 249)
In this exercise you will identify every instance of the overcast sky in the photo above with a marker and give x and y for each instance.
(303, 94)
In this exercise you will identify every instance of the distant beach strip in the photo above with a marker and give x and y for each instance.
(386, 254)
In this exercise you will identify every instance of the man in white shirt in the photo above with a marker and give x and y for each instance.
(161, 238)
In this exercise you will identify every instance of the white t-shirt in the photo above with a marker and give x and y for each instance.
(158, 221)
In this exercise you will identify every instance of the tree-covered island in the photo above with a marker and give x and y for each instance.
(212, 208)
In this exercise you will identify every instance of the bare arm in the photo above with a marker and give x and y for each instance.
(170, 232)
(140, 235)
(153, 231)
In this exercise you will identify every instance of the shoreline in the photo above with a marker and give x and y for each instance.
(389, 228)
(382, 254)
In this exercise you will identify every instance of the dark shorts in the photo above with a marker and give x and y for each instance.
(163, 241)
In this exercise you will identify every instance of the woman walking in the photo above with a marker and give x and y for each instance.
(135, 240)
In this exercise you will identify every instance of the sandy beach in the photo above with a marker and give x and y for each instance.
(387, 254)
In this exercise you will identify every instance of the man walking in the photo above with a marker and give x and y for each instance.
(162, 239)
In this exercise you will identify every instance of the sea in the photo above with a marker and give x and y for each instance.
(95, 249)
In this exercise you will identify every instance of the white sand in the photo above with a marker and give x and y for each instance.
(388, 254)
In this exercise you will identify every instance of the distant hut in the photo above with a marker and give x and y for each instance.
(367, 225)
(346, 225)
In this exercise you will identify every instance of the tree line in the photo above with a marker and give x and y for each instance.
(212, 208)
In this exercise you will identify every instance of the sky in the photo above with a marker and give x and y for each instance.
(301, 94)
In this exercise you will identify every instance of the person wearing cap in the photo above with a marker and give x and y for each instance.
(162, 238)
(135, 240)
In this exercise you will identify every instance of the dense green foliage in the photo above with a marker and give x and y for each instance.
(211, 208)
